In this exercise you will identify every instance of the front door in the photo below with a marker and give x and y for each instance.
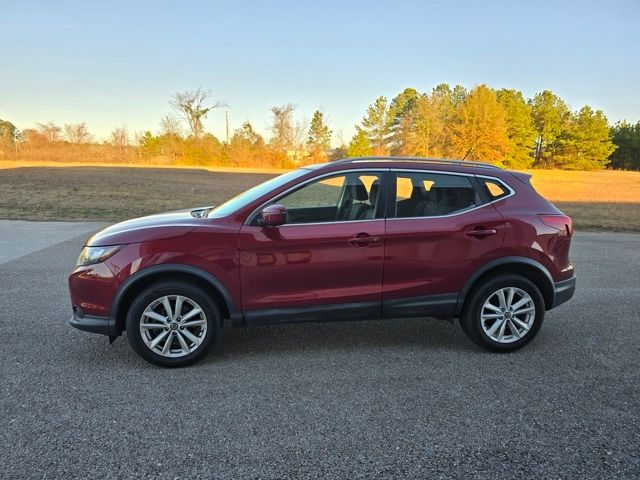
(326, 261)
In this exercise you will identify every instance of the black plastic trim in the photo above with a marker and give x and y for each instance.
(564, 291)
(93, 324)
(316, 313)
(439, 306)
(168, 268)
(443, 305)
(498, 263)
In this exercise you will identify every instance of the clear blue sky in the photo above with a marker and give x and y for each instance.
(115, 63)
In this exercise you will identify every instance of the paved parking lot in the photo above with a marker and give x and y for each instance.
(384, 399)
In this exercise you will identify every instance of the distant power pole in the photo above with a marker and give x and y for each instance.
(226, 118)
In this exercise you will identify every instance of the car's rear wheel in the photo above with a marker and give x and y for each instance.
(173, 324)
(504, 313)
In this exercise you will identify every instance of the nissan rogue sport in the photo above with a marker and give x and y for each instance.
(364, 238)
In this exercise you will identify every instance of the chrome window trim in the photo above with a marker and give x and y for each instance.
(251, 217)
(333, 222)
(512, 192)
(461, 212)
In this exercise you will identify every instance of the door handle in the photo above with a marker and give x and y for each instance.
(481, 232)
(362, 240)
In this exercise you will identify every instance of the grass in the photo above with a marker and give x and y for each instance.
(600, 200)
(603, 200)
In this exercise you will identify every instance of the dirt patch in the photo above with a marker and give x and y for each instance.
(113, 194)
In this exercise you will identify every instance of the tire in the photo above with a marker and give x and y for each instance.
(477, 316)
(184, 341)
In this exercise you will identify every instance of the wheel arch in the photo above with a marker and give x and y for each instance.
(528, 268)
(145, 277)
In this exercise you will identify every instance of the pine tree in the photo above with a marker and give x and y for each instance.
(458, 95)
(585, 142)
(520, 128)
(359, 145)
(319, 139)
(626, 137)
(400, 111)
(378, 126)
(551, 117)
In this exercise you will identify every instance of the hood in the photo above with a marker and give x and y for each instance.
(152, 227)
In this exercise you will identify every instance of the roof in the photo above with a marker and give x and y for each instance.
(408, 160)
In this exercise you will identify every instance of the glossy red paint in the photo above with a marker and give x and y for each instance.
(303, 265)
(273, 216)
(211, 246)
(438, 254)
(333, 263)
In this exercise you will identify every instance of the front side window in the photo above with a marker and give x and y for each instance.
(251, 195)
(432, 194)
(344, 197)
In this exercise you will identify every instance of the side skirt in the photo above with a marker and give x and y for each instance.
(439, 306)
(317, 313)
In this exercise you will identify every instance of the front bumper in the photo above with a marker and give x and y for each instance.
(564, 291)
(93, 324)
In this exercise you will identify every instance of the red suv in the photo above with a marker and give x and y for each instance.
(365, 238)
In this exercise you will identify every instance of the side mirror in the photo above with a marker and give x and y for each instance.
(273, 215)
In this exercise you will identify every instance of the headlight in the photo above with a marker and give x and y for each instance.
(93, 255)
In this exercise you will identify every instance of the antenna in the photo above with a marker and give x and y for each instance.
(467, 154)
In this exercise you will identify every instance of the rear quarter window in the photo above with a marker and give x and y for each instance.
(494, 189)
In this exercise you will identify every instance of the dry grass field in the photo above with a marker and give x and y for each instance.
(603, 200)
(600, 200)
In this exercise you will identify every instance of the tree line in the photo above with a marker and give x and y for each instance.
(484, 124)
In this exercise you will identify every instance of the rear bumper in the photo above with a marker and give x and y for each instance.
(93, 324)
(564, 291)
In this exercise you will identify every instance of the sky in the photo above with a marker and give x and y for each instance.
(117, 63)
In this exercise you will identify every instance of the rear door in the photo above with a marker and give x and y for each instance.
(439, 231)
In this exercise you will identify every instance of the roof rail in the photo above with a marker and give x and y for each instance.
(436, 161)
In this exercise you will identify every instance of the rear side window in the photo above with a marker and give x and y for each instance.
(493, 188)
(432, 195)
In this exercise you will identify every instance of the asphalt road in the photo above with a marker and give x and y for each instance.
(383, 399)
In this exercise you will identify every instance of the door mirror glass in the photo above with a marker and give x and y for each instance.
(273, 215)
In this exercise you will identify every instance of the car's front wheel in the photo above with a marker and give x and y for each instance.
(173, 324)
(503, 314)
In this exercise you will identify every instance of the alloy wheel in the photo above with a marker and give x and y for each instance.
(173, 326)
(507, 315)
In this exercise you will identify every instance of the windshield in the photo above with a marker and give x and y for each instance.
(239, 201)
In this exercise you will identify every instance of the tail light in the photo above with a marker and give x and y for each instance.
(560, 222)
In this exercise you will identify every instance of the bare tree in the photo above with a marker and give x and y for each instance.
(300, 131)
(193, 106)
(49, 130)
(282, 127)
(77, 132)
(170, 125)
(120, 137)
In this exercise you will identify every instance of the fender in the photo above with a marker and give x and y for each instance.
(514, 260)
(169, 268)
